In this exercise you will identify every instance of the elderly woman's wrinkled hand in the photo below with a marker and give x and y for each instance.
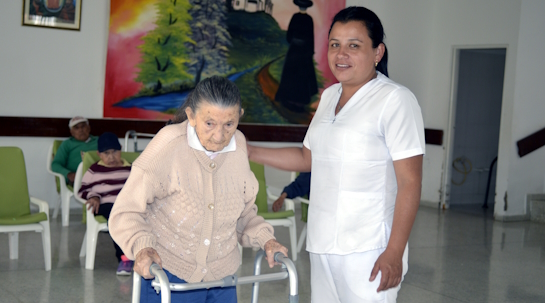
(143, 261)
(94, 203)
(271, 247)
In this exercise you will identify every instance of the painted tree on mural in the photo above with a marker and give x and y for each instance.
(164, 56)
(210, 39)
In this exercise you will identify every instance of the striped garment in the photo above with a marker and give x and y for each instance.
(104, 182)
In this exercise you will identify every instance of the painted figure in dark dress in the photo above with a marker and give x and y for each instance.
(298, 83)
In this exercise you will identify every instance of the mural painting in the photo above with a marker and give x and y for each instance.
(274, 50)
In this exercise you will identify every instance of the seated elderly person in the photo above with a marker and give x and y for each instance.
(300, 187)
(68, 155)
(101, 184)
(190, 199)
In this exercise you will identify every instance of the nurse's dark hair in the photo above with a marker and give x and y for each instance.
(216, 90)
(373, 25)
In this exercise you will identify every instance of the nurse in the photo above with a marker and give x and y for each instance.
(365, 145)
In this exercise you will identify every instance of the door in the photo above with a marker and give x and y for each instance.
(475, 128)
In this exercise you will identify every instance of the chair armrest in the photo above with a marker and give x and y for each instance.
(275, 191)
(77, 183)
(43, 207)
(288, 203)
(303, 200)
(49, 161)
(79, 199)
(62, 179)
(61, 176)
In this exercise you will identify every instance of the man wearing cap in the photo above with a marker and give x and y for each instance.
(101, 184)
(68, 155)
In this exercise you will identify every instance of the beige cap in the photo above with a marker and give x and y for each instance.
(76, 120)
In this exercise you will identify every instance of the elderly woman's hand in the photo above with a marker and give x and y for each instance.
(271, 247)
(143, 261)
(93, 203)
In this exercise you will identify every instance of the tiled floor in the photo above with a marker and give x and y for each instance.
(455, 256)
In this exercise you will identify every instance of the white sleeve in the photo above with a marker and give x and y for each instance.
(402, 125)
(306, 141)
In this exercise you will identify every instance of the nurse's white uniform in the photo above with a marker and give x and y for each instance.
(354, 185)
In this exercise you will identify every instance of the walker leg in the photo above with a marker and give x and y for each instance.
(257, 271)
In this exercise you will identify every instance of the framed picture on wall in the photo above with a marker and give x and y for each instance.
(61, 14)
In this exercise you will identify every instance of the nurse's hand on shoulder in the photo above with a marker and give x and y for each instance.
(271, 247)
(390, 266)
(143, 261)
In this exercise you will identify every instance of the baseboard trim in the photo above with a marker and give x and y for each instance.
(511, 218)
(432, 204)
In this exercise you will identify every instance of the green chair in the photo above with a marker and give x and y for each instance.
(304, 213)
(94, 224)
(65, 191)
(282, 218)
(15, 215)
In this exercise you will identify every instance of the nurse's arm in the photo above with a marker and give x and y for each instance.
(409, 185)
(287, 158)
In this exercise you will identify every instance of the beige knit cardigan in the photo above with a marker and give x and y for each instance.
(192, 210)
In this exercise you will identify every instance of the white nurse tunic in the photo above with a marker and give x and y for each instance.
(353, 179)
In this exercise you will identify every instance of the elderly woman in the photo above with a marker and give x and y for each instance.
(365, 145)
(189, 199)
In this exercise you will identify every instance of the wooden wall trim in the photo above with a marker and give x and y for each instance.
(433, 136)
(531, 143)
(58, 127)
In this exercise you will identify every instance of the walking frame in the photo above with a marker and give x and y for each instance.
(162, 285)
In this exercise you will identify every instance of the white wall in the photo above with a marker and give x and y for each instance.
(58, 73)
(49, 72)
(527, 174)
(427, 32)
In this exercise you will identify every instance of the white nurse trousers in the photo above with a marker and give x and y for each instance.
(345, 278)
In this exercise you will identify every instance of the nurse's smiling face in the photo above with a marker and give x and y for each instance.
(351, 55)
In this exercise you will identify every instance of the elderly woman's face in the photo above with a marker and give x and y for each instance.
(111, 157)
(351, 55)
(215, 126)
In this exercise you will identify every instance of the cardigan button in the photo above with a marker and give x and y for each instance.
(211, 206)
(212, 165)
(206, 242)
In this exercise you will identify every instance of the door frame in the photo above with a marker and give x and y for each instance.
(450, 131)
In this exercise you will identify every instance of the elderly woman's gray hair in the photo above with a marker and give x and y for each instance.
(216, 90)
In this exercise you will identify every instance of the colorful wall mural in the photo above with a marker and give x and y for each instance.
(274, 50)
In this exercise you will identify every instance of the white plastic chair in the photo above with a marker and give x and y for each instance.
(288, 222)
(135, 135)
(303, 235)
(65, 193)
(282, 218)
(290, 202)
(15, 202)
(94, 226)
